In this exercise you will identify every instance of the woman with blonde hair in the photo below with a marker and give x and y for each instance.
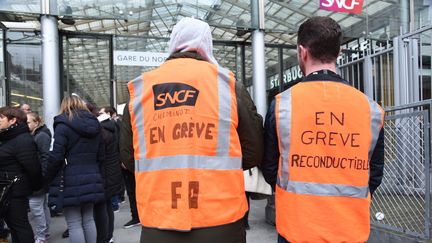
(38, 201)
(75, 158)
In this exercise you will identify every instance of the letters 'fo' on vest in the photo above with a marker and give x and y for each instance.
(187, 152)
(327, 132)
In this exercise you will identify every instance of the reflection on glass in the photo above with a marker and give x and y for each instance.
(87, 69)
(2, 73)
(24, 70)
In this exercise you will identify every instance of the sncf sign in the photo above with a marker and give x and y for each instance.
(174, 95)
(347, 6)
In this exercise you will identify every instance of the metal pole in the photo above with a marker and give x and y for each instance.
(6, 91)
(258, 57)
(50, 68)
(404, 8)
(281, 69)
(113, 81)
(414, 62)
(396, 66)
(367, 74)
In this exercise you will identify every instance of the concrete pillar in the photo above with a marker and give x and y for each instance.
(50, 68)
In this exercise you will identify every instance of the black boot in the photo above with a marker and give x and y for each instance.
(65, 234)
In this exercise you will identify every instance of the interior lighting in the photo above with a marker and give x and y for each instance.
(26, 96)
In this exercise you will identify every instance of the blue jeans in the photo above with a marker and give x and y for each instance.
(81, 224)
(39, 209)
(115, 202)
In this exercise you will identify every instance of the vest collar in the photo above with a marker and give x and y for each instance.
(324, 75)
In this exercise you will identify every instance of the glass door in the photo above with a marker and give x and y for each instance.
(87, 68)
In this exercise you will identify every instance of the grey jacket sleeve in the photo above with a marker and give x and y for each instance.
(250, 128)
(126, 145)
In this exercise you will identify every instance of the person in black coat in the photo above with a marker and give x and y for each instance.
(39, 201)
(18, 158)
(76, 155)
(111, 174)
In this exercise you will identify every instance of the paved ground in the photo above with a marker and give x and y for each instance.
(260, 231)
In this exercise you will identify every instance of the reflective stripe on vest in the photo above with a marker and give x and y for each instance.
(188, 161)
(137, 116)
(283, 116)
(377, 119)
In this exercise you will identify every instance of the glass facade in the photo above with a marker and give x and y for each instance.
(23, 56)
(3, 92)
(87, 66)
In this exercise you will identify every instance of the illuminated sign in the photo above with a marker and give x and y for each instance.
(347, 6)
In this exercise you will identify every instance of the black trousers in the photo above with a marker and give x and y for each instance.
(129, 179)
(3, 232)
(104, 220)
(101, 221)
(228, 233)
(246, 216)
(17, 221)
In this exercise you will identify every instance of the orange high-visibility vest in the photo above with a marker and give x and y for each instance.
(326, 132)
(188, 162)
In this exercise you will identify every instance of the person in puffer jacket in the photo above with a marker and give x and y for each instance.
(39, 201)
(75, 158)
(18, 158)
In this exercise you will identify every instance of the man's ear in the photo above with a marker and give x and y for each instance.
(303, 52)
(12, 121)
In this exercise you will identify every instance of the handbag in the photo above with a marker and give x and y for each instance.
(255, 182)
(5, 192)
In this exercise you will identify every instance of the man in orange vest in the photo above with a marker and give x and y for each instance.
(324, 146)
(188, 132)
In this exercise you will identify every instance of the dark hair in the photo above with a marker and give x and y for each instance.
(110, 110)
(13, 112)
(93, 109)
(322, 36)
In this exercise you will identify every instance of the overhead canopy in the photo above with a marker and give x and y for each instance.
(139, 25)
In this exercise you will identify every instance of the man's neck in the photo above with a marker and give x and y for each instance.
(319, 66)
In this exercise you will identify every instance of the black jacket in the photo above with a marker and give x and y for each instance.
(269, 166)
(79, 141)
(111, 168)
(249, 130)
(19, 157)
(42, 137)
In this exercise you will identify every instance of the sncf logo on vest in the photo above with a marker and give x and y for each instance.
(174, 95)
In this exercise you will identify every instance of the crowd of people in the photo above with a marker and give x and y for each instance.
(187, 133)
(79, 175)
